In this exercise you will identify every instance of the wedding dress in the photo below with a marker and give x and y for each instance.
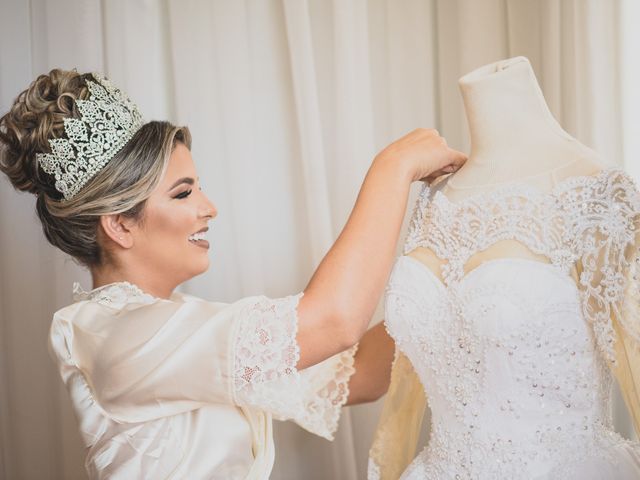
(516, 359)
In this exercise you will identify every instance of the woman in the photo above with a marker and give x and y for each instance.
(168, 385)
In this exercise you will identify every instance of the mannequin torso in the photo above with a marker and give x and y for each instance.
(514, 140)
(508, 329)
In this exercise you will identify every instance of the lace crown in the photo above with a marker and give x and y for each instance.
(109, 119)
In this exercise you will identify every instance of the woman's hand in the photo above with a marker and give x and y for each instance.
(424, 153)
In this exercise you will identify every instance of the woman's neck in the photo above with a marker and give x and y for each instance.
(104, 276)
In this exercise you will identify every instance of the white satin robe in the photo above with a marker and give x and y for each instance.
(187, 388)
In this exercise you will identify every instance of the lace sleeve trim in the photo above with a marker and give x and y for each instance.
(265, 343)
(265, 373)
(323, 406)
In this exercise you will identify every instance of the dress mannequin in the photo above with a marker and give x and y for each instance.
(514, 139)
(528, 191)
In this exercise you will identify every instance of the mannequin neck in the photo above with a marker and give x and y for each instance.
(512, 131)
(504, 101)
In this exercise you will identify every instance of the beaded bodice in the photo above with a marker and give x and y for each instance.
(512, 355)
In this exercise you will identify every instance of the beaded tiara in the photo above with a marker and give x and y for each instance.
(108, 121)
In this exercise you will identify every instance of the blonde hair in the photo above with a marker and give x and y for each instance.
(121, 187)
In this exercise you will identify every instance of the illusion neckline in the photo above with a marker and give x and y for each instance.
(525, 189)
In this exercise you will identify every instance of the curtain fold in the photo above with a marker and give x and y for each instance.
(309, 126)
(288, 102)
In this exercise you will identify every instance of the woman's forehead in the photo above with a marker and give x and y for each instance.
(180, 166)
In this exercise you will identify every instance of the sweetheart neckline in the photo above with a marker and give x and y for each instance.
(483, 265)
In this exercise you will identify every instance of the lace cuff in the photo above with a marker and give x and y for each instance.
(265, 343)
(325, 389)
(265, 376)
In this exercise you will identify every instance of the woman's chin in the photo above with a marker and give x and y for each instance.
(204, 265)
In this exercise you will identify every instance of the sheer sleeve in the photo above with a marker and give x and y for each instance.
(265, 374)
(626, 328)
(609, 284)
(398, 431)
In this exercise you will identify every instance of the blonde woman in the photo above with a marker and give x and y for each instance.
(165, 384)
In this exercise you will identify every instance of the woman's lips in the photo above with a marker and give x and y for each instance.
(200, 243)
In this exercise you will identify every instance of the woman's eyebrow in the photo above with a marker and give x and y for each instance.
(188, 180)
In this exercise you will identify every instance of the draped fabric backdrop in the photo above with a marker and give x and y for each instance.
(288, 102)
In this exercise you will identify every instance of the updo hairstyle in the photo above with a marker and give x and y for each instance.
(122, 186)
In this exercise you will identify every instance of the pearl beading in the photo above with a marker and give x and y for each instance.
(592, 220)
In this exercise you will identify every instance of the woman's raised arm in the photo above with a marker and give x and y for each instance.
(341, 296)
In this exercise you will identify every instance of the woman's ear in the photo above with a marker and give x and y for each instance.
(117, 228)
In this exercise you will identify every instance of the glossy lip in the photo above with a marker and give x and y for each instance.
(199, 231)
(201, 243)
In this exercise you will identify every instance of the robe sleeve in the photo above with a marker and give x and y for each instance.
(265, 374)
(143, 361)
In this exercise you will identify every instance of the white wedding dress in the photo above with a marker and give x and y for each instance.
(510, 354)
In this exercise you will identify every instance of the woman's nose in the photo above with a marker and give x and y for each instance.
(209, 209)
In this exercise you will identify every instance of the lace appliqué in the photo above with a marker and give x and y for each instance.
(513, 376)
(513, 352)
(418, 220)
(266, 347)
(118, 293)
(585, 220)
(507, 456)
(327, 388)
(265, 373)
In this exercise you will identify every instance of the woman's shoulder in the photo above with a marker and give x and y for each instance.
(119, 294)
(119, 302)
(120, 316)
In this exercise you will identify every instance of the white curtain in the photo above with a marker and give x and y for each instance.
(288, 102)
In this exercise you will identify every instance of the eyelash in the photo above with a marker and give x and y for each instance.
(184, 194)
